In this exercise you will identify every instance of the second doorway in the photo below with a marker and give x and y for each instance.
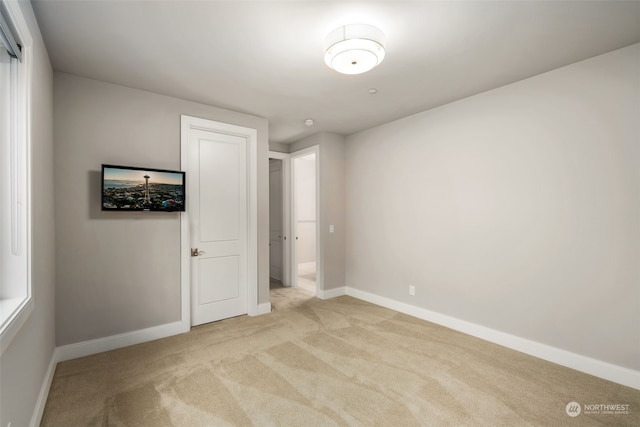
(305, 221)
(295, 241)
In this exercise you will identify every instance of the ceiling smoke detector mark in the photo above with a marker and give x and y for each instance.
(309, 122)
(373, 91)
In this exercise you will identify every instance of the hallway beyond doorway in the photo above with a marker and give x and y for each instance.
(307, 276)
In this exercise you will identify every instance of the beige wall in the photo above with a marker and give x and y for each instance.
(332, 203)
(517, 209)
(24, 363)
(279, 147)
(119, 272)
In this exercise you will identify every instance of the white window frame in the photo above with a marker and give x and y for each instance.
(14, 311)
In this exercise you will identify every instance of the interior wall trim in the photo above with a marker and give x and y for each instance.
(100, 345)
(618, 374)
(264, 308)
(331, 293)
(38, 411)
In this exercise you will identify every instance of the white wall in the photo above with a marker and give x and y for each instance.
(517, 209)
(119, 272)
(332, 203)
(24, 364)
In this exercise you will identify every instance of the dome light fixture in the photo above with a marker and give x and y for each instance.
(354, 48)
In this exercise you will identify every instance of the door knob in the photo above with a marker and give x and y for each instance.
(196, 252)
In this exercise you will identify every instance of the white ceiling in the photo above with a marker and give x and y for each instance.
(265, 57)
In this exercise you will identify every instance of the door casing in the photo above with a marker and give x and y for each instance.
(290, 266)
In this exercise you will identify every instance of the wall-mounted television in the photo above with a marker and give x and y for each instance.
(127, 188)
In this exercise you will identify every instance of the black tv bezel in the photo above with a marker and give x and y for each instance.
(184, 191)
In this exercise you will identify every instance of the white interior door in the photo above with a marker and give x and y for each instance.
(276, 231)
(218, 226)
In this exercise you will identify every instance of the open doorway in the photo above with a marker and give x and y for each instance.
(295, 240)
(305, 221)
(276, 223)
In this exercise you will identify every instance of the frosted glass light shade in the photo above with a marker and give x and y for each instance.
(354, 49)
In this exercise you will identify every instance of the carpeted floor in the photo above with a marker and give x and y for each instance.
(323, 363)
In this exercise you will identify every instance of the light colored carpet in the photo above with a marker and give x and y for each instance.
(324, 363)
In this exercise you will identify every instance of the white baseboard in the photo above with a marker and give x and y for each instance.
(36, 418)
(331, 293)
(598, 368)
(264, 308)
(87, 348)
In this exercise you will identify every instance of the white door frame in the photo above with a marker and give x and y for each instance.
(293, 268)
(290, 267)
(186, 124)
(286, 227)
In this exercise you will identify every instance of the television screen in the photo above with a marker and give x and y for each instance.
(126, 188)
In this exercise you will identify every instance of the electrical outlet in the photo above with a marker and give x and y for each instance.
(412, 290)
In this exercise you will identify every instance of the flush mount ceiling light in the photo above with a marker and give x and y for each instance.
(354, 49)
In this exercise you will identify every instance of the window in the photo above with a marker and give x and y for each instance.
(15, 285)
